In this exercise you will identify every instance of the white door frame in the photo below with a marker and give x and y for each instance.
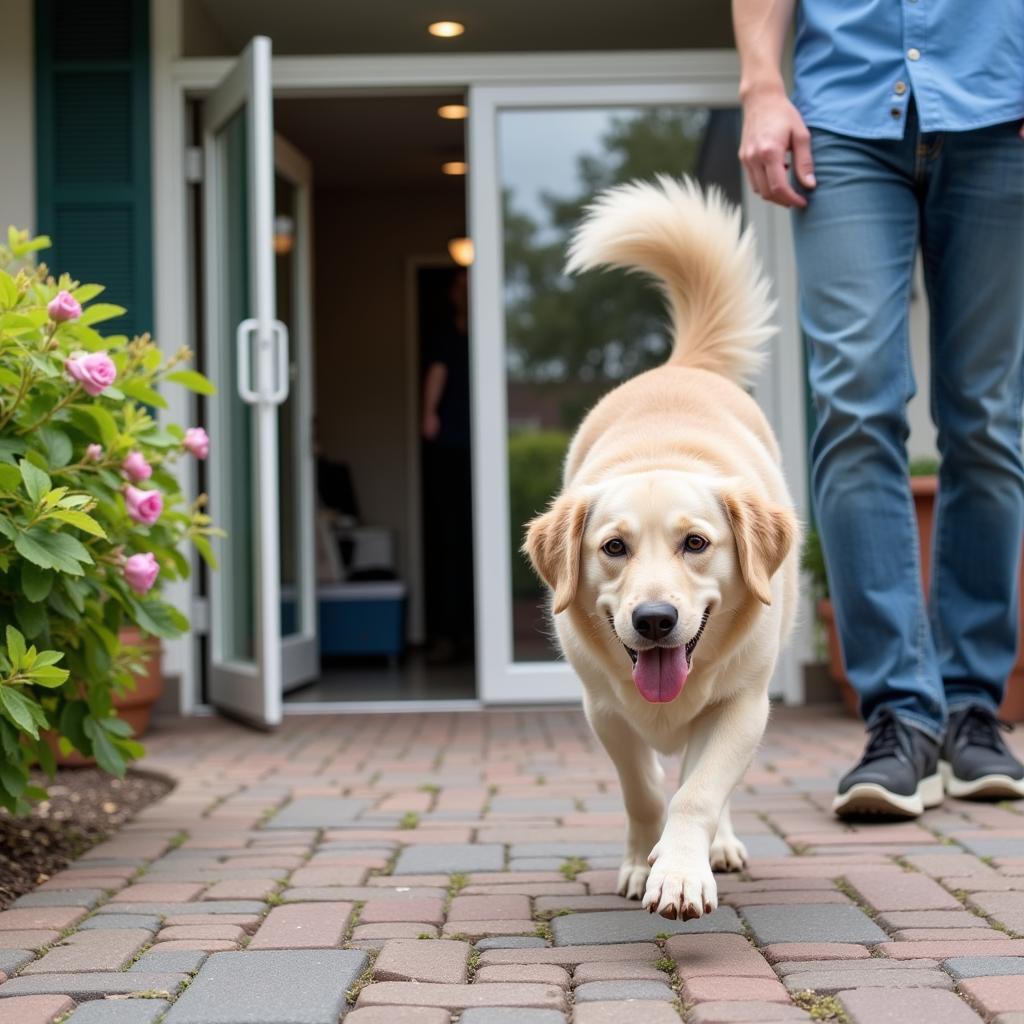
(175, 78)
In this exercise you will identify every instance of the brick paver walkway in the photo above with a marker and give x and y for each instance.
(436, 868)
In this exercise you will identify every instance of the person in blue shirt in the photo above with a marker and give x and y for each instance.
(903, 134)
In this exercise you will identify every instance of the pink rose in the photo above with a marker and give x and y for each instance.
(143, 506)
(141, 571)
(94, 452)
(135, 466)
(94, 371)
(64, 307)
(197, 441)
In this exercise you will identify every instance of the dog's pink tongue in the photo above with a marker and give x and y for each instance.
(660, 672)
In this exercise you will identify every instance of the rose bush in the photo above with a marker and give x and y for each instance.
(92, 517)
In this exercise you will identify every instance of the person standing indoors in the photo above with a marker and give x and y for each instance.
(903, 133)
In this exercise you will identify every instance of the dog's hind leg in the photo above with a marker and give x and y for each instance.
(727, 852)
(641, 777)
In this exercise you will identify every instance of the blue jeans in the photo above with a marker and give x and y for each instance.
(960, 196)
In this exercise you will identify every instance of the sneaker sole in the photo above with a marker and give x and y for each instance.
(985, 786)
(873, 798)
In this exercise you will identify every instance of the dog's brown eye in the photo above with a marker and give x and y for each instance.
(695, 542)
(614, 547)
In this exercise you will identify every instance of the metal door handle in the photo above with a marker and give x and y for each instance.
(243, 346)
(279, 332)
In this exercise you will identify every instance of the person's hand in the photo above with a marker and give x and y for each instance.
(773, 128)
(431, 426)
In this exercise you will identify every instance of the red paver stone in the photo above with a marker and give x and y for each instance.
(159, 892)
(907, 1006)
(303, 926)
(381, 911)
(752, 1012)
(206, 945)
(939, 950)
(902, 890)
(32, 939)
(489, 908)
(395, 930)
(949, 934)
(399, 1015)
(523, 974)
(34, 1009)
(781, 898)
(614, 971)
(481, 929)
(99, 949)
(705, 989)
(233, 932)
(780, 952)
(995, 995)
(623, 1011)
(569, 956)
(339, 874)
(461, 997)
(241, 889)
(38, 918)
(246, 921)
(439, 960)
(717, 956)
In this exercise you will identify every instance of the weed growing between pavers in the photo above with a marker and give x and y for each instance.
(573, 867)
(473, 964)
(363, 980)
(543, 931)
(821, 1007)
(848, 890)
(409, 820)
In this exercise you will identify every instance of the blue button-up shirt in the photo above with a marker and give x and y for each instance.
(858, 62)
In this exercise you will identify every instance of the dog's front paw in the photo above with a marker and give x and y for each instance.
(728, 854)
(680, 887)
(632, 877)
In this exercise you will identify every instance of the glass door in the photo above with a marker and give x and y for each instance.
(545, 346)
(251, 658)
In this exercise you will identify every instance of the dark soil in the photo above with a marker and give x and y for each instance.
(84, 806)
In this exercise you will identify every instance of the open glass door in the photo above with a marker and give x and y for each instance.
(546, 347)
(250, 660)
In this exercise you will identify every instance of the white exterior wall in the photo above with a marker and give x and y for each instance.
(17, 117)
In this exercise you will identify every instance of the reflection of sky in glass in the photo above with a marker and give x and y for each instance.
(540, 151)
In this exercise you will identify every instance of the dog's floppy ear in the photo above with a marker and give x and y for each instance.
(553, 543)
(764, 534)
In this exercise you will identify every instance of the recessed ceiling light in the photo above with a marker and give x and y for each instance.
(446, 29)
(453, 167)
(461, 251)
(453, 111)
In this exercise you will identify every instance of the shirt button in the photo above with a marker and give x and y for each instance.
(894, 113)
(900, 88)
(914, 53)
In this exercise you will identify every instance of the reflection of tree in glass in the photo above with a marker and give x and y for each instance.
(591, 332)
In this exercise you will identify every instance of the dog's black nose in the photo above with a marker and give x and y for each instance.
(654, 620)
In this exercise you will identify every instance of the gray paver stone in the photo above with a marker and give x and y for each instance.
(446, 858)
(318, 812)
(119, 1011)
(177, 909)
(510, 1015)
(187, 961)
(613, 926)
(811, 922)
(148, 921)
(983, 966)
(826, 982)
(564, 850)
(87, 898)
(270, 987)
(95, 985)
(611, 991)
(511, 942)
(12, 960)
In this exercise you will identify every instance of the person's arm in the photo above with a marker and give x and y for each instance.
(433, 388)
(772, 126)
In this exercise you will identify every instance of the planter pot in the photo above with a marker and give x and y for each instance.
(134, 706)
(924, 489)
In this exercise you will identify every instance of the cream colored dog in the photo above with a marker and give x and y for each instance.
(672, 550)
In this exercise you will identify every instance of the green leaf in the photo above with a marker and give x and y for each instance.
(143, 393)
(159, 618)
(117, 727)
(47, 658)
(58, 446)
(9, 448)
(10, 741)
(48, 675)
(13, 778)
(36, 583)
(85, 292)
(47, 762)
(194, 381)
(52, 550)
(8, 291)
(31, 617)
(10, 477)
(71, 725)
(82, 520)
(101, 311)
(101, 419)
(205, 549)
(108, 757)
(7, 528)
(15, 647)
(20, 710)
(37, 483)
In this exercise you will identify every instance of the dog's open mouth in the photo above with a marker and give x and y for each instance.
(661, 672)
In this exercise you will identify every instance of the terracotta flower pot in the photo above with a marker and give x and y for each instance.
(924, 490)
(134, 706)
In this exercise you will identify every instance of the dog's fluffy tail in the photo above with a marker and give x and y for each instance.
(694, 246)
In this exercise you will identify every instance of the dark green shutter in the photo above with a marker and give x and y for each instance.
(92, 148)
